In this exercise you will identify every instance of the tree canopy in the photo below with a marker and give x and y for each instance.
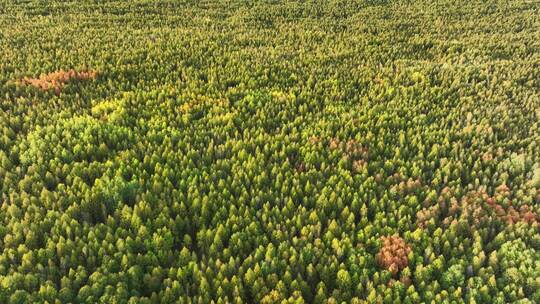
(342, 151)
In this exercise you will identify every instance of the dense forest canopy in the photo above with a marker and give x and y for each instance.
(272, 151)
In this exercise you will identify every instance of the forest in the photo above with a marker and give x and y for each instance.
(269, 151)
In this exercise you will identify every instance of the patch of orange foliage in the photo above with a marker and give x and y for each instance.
(476, 208)
(393, 254)
(58, 79)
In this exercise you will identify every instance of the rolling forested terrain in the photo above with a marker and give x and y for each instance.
(236, 151)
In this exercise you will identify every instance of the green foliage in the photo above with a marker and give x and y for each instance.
(453, 277)
(263, 151)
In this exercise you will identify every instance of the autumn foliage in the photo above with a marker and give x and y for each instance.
(393, 254)
(476, 208)
(57, 80)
